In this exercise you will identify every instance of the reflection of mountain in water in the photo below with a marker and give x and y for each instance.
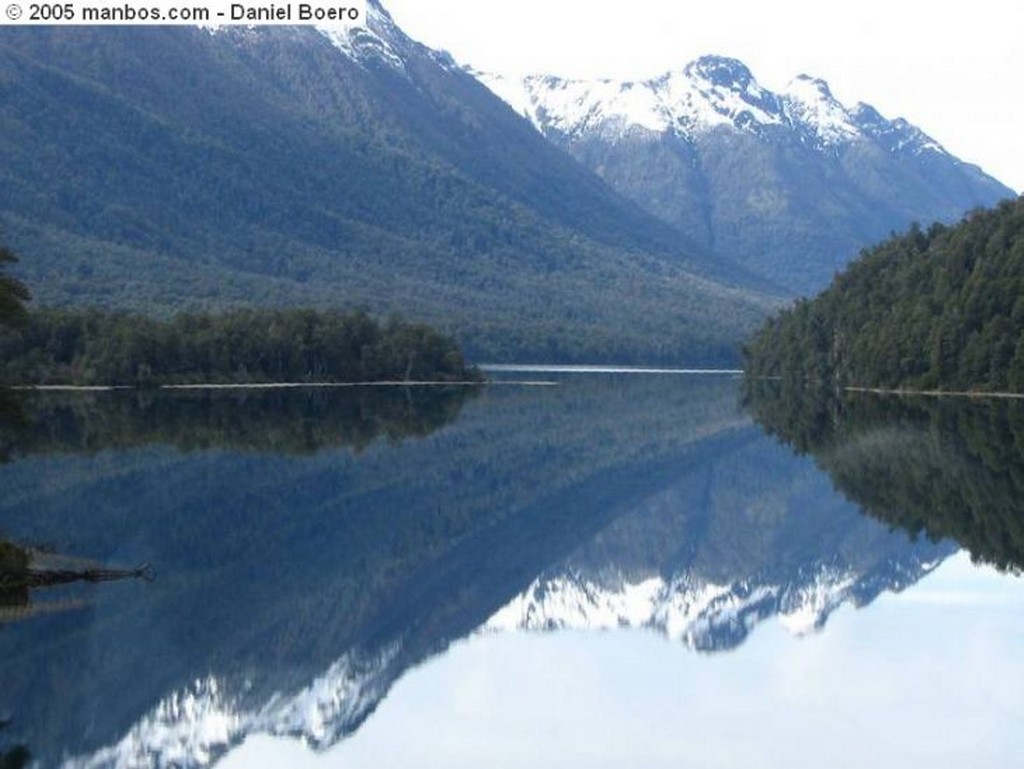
(948, 468)
(754, 535)
(293, 590)
(706, 616)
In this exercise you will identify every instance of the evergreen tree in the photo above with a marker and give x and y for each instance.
(13, 293)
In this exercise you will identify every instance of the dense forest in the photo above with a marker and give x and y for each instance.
(96, 347)
(941, 308)
(93, 347)
(945, 468)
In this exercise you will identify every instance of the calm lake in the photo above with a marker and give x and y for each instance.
(655, 570)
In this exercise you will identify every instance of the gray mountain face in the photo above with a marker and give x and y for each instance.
(793, 184)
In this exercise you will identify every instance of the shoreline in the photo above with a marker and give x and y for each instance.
(556, 368)
(274, 386)
(497, 368)
(973, 394)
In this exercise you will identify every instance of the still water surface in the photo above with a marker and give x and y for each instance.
(622, 570)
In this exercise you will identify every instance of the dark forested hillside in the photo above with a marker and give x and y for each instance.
(941, 308)
(167, 169)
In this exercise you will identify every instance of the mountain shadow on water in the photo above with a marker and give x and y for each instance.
(944, 468)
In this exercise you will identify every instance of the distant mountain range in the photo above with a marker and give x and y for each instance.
(792, 184)
(158, 169)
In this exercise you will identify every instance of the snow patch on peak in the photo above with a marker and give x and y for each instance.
(573, 107)
(515, 92)
(709, 93)
(379, 40)
(729, 88)
(915, 139)
(809, 103)
(721, 71)
(807, 84)
(898, 136)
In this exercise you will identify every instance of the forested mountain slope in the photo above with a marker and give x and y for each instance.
(167, 168)
(937, 308)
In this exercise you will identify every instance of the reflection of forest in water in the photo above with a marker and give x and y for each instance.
(283, 422)
(257, 422)
(949, 467)
(14, 561)
(292, 421)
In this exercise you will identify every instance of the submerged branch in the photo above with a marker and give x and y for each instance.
(33, 578)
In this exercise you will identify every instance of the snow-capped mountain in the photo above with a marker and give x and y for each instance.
(709, 93)
(793, 184)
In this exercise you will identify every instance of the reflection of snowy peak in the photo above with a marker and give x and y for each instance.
(711, 92)
(703, 615)
(194, 727)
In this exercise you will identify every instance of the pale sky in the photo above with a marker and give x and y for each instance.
(952, 69)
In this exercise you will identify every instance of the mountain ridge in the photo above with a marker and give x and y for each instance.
(791, 184)
(707, 93)
(162, 169)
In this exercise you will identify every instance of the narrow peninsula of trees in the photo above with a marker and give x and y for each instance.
(91, 347)
(94, 347)
(941, 308)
